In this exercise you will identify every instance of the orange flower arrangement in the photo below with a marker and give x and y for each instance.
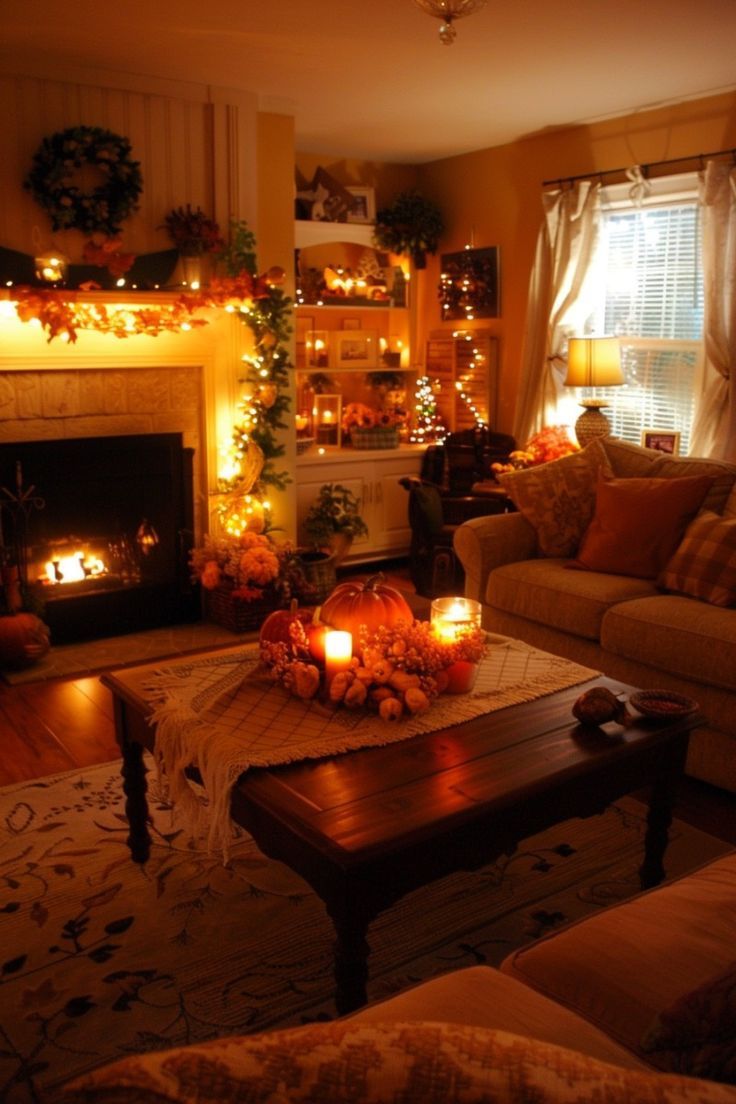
(551, 443)
(251, 565)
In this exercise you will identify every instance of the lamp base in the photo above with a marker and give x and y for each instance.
(592, 422)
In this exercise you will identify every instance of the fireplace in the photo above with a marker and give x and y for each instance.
(109, 531)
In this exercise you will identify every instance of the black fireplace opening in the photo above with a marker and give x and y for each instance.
(108, 531)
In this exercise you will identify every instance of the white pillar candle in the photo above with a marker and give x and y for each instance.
(338, 653)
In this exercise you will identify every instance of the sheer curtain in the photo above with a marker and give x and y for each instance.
(557, 305)
(714, 424)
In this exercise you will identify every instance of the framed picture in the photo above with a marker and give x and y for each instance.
(664, 440)
(351, 323)
(355, 349)
(364, 204)
(469, 284)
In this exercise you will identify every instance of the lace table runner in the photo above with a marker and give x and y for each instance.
(223, 715)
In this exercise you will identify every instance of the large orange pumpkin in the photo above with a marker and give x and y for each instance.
(372, 604)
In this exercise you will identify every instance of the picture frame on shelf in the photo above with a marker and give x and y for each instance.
(354, 349)
(663, 440)
(363, 209)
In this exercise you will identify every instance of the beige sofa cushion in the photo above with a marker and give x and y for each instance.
(623, 966)
(361, 1063)
(675, 634)
(547, 592)
(631, 461)
(557, 498)
(481, 996)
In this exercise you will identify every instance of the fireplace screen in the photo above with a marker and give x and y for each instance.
(108, 528)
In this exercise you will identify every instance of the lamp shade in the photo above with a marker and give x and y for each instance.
(593, 362)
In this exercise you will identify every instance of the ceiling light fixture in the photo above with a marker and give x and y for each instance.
(448, 11)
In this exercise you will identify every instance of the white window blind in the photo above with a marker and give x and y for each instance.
(650, 290)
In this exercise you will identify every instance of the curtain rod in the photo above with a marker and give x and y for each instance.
(644, 168)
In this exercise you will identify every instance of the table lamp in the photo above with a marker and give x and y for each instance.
(593, 362)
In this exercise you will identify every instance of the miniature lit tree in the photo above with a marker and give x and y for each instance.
(428, 425)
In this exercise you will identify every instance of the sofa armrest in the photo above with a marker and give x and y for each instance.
(485, 543)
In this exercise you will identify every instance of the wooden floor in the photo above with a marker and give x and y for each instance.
(61, 724)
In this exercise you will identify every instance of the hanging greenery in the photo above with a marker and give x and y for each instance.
(412, 224)
(55, 180)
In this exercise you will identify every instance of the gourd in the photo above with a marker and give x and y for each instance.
(24, 638)
(373, 604)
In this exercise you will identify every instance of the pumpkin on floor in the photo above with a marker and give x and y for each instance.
(373, 603)
(24, 639)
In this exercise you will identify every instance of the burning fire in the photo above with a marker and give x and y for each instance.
(74, 569)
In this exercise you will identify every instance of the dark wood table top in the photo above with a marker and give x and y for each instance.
(366, 827)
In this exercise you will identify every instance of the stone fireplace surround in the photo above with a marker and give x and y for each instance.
(175, 384)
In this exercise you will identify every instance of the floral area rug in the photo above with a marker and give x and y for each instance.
(100, 957)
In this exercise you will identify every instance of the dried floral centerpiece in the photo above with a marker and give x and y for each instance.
(396, 671)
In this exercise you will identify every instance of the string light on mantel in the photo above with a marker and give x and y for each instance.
(427, 424)
(465, 384)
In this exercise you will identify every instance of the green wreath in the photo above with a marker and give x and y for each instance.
(52, 183)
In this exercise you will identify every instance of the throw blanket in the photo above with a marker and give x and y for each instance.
(224, 714)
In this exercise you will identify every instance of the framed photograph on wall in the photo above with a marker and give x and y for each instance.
(364, 204)
(351, 323)
(355, 349)
(663, 440)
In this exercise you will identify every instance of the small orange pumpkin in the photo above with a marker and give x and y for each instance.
(24, 638)
(373, 604)
(275, 629)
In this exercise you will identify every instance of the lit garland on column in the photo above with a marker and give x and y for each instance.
(427, 424)
(249, 468)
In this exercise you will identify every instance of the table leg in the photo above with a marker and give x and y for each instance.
(659, 818)
(136, 805)
(351, 961)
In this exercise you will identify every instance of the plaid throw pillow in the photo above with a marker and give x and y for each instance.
(704, 566)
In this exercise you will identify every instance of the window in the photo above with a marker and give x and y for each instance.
(647, 289)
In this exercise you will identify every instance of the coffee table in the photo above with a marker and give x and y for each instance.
(367, 827)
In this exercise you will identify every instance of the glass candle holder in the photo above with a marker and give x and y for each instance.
(451, 617)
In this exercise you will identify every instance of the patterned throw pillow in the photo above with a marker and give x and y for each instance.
(697, 1034)
(704, 565)
(557, 498)
(415, 1063)
(638, 523)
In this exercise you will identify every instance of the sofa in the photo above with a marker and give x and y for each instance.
(622, 559)
(634, 1003)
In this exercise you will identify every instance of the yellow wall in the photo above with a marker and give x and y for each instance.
(494, 194)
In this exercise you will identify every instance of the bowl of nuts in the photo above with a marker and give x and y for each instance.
(663, 703)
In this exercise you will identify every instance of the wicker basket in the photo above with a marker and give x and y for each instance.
(379, 437)
(236, 614)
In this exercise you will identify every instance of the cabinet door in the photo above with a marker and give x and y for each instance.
(307, 492)
(391, 504)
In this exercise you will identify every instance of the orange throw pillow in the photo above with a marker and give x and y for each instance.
(638, 524)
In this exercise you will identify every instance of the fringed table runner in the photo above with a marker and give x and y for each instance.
(223, 715)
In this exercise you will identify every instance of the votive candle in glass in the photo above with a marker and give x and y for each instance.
(338, 653)
(450, 618)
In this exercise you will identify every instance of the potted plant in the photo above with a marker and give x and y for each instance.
(195, 235)
(334, 520)
(412, 224)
